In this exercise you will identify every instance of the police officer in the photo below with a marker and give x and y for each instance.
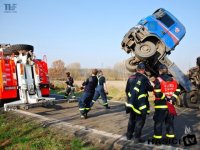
(101, 90)
(166, 93)
(137, 89)
(89, 90)
(69, 82)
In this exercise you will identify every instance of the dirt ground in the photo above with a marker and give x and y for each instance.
(112, 124)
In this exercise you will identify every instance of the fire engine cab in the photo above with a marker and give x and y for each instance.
(22, 77)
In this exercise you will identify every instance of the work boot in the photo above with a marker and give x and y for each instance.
(86, 116)
(66, 95)
(157, 141)
(170, 141)
(138, 140)
(107, 107)
(129, 136)
(82, 116)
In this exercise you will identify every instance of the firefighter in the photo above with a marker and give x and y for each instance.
(137, 89)
(69, 82)
(166, 92)
(89, 90)
(101, 90)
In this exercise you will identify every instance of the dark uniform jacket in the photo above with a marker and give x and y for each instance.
(70, 81)
(137, 89)
(90, 84)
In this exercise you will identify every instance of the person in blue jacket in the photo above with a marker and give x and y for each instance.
(101, 90)
(137, 88)
(89, 90)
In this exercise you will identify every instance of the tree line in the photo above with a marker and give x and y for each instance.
(58, 70)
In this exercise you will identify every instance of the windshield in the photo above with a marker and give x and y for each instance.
(164, 18)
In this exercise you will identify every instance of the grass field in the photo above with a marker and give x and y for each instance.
(20, 133)
(116, 89)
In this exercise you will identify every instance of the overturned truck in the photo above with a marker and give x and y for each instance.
(151, 40)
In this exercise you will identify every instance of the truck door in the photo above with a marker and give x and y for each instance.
(42, 67)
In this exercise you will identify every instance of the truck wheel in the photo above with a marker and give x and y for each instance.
(17, 47)
(145, 50)
(191, 100)
(131, 64)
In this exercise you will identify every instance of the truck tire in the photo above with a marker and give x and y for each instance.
(191, 100)
(145, 50)
(17, 47)
(131, 64)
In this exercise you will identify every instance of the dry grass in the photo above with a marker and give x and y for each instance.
(116, 89)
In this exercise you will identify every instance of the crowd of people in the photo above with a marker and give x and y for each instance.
(166, 91)
(164, 87)
(94, 88)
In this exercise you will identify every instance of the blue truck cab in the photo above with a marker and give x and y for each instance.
(158, 33)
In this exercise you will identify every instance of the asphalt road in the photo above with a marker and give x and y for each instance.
(115, 120)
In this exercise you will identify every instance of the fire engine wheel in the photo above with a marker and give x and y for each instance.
(145, 50)
(20, 47)
(131, 64)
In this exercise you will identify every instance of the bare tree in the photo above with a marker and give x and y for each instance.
(74, 69)
(57, 70)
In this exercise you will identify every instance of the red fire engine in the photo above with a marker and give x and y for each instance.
(22, 77)
(43, 74)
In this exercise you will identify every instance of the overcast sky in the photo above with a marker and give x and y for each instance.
(91, 31)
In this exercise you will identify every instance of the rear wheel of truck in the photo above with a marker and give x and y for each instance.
(20, 47)
(131, 64)
(145, 50)
(191, 100)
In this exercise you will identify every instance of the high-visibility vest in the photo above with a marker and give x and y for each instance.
(168, 87)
